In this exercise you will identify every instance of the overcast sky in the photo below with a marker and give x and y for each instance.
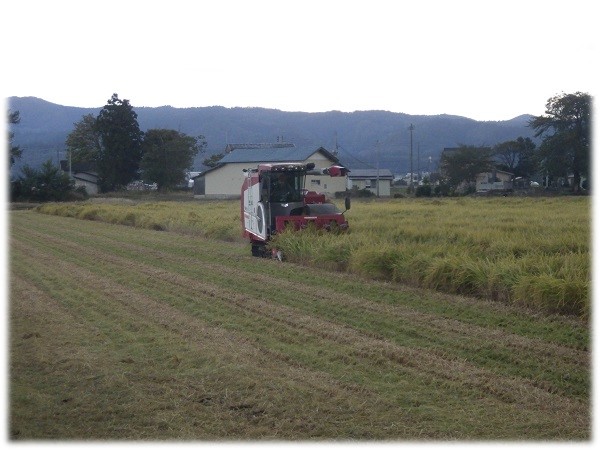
(487, 60)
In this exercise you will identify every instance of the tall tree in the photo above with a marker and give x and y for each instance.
(516, 156)
(566, 132)
(167, 155)
(464, 163)
(84, 141)
(120, 144)
(15, 152)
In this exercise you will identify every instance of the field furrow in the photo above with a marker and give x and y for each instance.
(495, 347)
(201, 341)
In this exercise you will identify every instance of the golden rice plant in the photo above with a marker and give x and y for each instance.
(209, 219)
(530, 251)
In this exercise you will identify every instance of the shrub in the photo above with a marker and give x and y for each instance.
(423, 191)
(47, 184)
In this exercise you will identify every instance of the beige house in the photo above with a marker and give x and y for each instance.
(225, 180)
(495, 180)
(378, 182)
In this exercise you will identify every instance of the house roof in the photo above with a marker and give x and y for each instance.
(85, 176)
(88, 167)
(274, 155)
(456, 149)
(371, 174)
(231, 147)
(495, 171)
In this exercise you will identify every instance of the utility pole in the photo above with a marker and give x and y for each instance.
(377, 178)
(410, 186)
(418, 162)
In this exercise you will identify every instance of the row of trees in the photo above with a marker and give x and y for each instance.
(122, 153)
(115, 147)
(565, 131)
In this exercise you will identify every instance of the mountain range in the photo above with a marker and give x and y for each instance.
(362, 139)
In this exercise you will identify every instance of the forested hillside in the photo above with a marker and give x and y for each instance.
(364, 138)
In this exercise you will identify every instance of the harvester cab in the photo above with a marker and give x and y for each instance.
(274, 198)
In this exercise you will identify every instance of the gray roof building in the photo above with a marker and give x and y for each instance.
(368, 179)
(274, 154)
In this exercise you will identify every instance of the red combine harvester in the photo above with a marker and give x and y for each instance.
(274, 198)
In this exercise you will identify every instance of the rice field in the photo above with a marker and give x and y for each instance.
(128, 334)
(533, 252)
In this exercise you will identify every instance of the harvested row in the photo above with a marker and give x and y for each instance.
(197, 340)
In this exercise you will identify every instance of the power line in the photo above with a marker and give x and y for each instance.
(355, 158)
